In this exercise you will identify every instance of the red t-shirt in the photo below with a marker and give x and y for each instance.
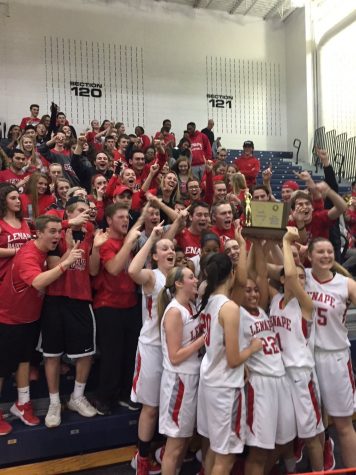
(44, 202)
(75, 281)
(12, 238)
(96, 143)
(115, 291)
(20, 302)
(8, 176)
(29, 121)
(224, 234)
(319, 226)
(351, 224)
(189, 242)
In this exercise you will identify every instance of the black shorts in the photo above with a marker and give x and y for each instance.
(68, 326)
(17, 344)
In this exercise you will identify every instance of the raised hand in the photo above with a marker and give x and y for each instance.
(100, 238)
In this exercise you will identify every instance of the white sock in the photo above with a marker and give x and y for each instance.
(23, 395)
(54, 398)
(79, 389)
(290, 465)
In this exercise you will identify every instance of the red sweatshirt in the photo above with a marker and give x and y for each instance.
(250, 167)
(200, 148)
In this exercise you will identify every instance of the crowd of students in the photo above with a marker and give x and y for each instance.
(132, 248)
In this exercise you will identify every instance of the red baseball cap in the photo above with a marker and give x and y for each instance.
(293, 185)
(119, 190)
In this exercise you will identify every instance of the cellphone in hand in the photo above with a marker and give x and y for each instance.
(78, 235)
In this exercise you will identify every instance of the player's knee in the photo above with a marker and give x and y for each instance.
(150, 411)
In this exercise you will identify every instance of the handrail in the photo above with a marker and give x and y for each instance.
(297, 144)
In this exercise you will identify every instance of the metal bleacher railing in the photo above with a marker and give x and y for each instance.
(341, 150)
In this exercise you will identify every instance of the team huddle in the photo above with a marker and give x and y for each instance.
(133, 250)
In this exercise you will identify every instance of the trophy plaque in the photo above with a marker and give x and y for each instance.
(265, 219)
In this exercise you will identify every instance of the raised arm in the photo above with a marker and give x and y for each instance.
(340, 205)
(229, 318)
(292, 282)
(261, 273)
(141, 276)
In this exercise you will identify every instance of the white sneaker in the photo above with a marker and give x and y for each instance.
(82, 406)
(53, 417)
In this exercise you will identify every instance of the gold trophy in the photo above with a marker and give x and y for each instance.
(265, 219)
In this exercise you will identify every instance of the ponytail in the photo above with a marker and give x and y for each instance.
(217, 270)
(168, 292)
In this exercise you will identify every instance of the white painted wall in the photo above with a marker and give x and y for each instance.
(186, 53)
(296, 80)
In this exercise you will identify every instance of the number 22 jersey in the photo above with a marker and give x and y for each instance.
(267, 361)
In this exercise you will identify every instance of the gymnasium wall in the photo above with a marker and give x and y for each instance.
(142, 62)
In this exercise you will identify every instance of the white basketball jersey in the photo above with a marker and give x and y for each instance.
(150, 329)
(330, 301)
(267, 361)
(214, 370)
(291, 330)
(191, 331)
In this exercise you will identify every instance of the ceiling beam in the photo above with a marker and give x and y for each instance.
(196, 3)
(289, 14)
(274, 9)
(235, 6)
(250, 7)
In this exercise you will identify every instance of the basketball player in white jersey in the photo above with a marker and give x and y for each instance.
(148, 367)
(181, 341)
(331, 293)
(221, 398)
(291, 313)
(270, 419)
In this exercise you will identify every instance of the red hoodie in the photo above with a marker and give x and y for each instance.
(200, 148)
(248, 166)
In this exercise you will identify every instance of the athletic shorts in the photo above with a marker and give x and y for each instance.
(68, 326)
(178, 404)
(270, 418)
(221, 418)
(336, 381)
(17, 344)
(306, 401)
(146, 382)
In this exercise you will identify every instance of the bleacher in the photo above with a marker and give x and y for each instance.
(283, 166)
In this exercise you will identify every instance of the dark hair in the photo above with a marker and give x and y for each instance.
(261, 187)
(315, 241)
(60, 113)
(45, 116)
(217, 270)
(197, 204)
(141, 129)
(42, 221)
(166, 120)
(4, 191)
(30, 127)
(192, 124)
(11, 129)
(208, 236)
(297, 195)
(123, 136)
(34, 105)
(112, 208)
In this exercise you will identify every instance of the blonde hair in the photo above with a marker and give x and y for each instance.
(34, 158)
(238, 183)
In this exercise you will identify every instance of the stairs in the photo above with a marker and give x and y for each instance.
(283, 168)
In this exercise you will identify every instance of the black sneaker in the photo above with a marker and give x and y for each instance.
(102, 408)
(132, 406)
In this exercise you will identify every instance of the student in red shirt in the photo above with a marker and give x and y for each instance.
(222, 217)
(33, 119)
(21, 296)
(37, 196)
(200, 149)
(189, 239)
(68, 323)
(248, 164)
(15, 174)
(145, 140)
(117, 312)
(14, 231)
